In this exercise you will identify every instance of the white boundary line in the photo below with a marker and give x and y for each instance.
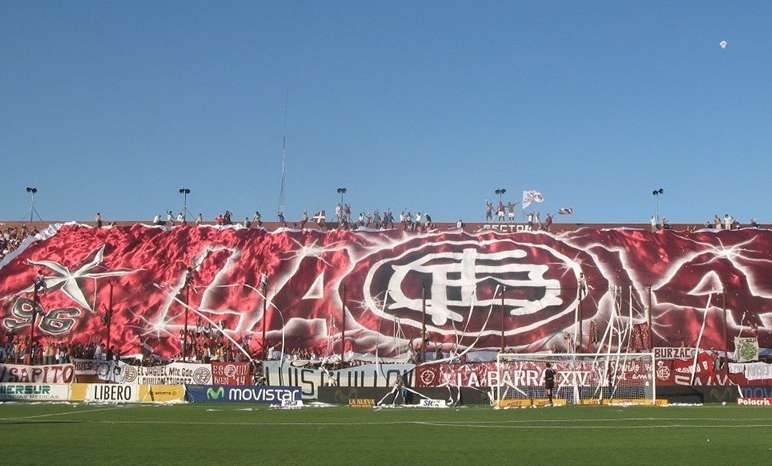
(66, 413)
(437, 424)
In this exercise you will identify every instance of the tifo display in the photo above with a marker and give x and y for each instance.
(591, 316)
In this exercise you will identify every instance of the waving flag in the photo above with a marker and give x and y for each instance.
(565, 211)
(529, 197)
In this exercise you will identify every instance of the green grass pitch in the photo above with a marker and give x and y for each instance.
(240, 434)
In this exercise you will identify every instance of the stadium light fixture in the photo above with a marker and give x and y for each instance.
(32, 191)
(657, 193)
(341, 191)
(184, 192)
(500, 192)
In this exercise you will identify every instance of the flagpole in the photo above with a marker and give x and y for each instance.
(32, 324)
(343, 329)
(503, 290)
(110, 318)
(265, 308)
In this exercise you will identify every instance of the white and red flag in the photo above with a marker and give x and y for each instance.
(530, 197)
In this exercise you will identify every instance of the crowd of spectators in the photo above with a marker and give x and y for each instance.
(15, 349)
(206, 344)
(12, 236)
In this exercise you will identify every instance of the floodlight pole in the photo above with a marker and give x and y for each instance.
(184, 192)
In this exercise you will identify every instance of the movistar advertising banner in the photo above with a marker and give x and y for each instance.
(240, 394)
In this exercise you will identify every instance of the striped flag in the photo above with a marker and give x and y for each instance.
(565, 211)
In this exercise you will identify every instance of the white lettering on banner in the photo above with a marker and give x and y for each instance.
(523, 374)
(34, 392)
(112, 393)
(109, 371)
(673, 353)
(758, 371)
(259, 394)
(510, 227)
(47, 373)
(309, 379)
(177, 373)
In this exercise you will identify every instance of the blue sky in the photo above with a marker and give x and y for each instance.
(112, 106)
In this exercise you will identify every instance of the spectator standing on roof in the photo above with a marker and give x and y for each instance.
(304, 220)
(511, 212)
(98, 220)
(548, 222)
(488, 211)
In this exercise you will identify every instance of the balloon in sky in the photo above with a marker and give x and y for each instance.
(723, 44)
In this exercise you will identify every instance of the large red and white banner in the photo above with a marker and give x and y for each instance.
(231, 373)
(530, 373)
(382, 276)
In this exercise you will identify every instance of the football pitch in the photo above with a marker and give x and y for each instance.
(230, 434)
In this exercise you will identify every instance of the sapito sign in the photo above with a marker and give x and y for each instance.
(47, 373)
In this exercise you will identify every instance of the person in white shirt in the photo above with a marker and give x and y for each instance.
(653, 222)
(180, 218)
(157, 219)
(727, 222)
(199, 219)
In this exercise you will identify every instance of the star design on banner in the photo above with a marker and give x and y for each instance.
(68, 281)
(314, 250)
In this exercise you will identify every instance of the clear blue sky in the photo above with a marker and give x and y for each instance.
(112, 106)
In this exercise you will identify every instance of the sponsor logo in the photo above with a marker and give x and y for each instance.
(361, 403)
(264, 394)
(754, 401)
(427, 403)
(107, 392)
(215, 393)
(7, 389)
